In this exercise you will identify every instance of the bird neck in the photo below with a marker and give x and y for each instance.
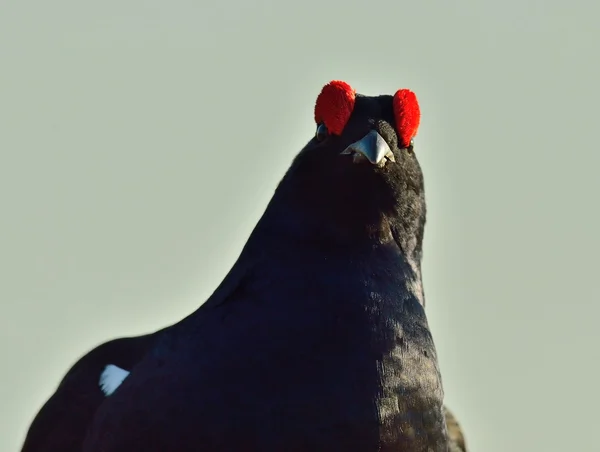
(383, 244)
(295, 220)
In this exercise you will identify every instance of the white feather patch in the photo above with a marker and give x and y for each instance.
(111, 378)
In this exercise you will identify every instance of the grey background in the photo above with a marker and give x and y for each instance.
(141, 140)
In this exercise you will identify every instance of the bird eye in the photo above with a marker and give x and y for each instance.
(322, 132)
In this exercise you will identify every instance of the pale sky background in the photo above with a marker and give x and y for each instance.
(140, 142)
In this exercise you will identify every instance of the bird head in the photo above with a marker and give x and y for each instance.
(359, 175)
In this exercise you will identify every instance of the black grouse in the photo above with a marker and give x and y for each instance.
(317, 338)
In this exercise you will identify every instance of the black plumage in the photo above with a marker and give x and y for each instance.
(317, 338)
(61, 423)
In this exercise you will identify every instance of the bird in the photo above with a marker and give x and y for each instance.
(317, 338)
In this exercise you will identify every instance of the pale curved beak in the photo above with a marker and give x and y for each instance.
(371, 147)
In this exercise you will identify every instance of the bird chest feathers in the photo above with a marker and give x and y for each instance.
(344, 344)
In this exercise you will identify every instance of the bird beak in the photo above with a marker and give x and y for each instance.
(371, 147)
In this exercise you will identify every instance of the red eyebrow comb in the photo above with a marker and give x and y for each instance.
(407, 114)
(334, 106)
